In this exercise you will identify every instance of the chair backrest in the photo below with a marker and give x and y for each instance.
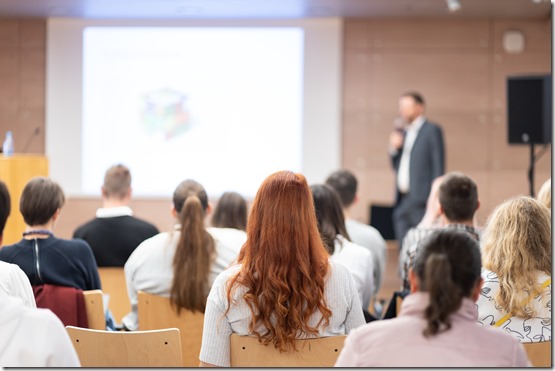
(113, 284)
(246, 351)
(539, 354)
(99, 348)
(155, 312)
(95, 309)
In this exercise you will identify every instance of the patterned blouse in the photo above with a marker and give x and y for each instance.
(532, 330)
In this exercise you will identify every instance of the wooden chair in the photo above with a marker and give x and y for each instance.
(98, 348)
(155, 312)
(113, 284)
(246, 351)
(95, 309)
(539, 354)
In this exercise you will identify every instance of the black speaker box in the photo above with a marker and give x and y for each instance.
(529, 109)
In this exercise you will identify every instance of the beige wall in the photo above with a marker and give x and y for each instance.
(459, 66)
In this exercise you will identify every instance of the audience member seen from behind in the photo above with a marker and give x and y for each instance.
(345, 184)
(284, 287)
(458, 203)
(437, 323)
(13, 280)
(544, 194)
(331, 224)
(516, 249)
(115, 232)
(33, 337)
(181, 264)
(429, 221)
(229, 220)
(46, 259)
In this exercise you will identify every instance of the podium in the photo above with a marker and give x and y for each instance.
(16, 171)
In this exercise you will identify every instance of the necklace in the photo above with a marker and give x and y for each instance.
(45, 232)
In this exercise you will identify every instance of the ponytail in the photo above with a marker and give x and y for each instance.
(445, 296)
(192, 260)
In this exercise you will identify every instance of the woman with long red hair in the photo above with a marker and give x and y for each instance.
(284, 286)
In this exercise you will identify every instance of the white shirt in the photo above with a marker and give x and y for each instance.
(369, 237)
(111, 212)
(14, 282)
(360, 263)
(33, 337)
(150, 268)
(403, 177)
(532, 330)
(340, 294)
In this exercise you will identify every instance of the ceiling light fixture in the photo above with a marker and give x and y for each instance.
(453, 5)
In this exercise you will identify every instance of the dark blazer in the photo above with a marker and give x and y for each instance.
(427, 162)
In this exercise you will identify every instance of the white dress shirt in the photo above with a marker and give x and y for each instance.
(403, 178)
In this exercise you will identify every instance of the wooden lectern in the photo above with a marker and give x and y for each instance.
(16, 171)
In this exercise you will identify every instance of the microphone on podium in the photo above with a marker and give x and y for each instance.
(35, 133)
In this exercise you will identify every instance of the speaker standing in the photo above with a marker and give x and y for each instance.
(417, 154)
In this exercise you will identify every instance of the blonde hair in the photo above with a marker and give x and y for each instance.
(516, 244)
(544, 195)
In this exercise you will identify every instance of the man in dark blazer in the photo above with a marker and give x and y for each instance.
(417, 154)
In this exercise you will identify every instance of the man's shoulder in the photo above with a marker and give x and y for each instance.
(358, 229)
(82, 229)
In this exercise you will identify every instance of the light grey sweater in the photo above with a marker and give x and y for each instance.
(341, 297)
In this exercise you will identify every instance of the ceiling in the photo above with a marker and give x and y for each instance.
(271, 9)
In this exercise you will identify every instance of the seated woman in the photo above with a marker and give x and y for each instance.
(516, 249)
(181, 264)
(229, 221)
(331, 224)
(437, 323)
(44, 258)
(285, 287)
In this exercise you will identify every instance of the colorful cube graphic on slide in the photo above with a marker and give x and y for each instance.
(165, 110)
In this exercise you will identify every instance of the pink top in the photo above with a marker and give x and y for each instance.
(399, 342)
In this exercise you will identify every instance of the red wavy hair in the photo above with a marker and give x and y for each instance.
(284, 263)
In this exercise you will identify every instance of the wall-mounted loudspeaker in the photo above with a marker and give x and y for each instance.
(529, 109)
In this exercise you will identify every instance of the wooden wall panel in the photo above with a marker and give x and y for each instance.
(459, 65)
(461, 69)
(22, 88)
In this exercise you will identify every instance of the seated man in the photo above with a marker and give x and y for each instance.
(458, 203)
(115, 233)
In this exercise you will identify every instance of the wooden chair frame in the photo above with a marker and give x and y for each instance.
(156, 312)
(99, 348)
(247, 351)
(539, 354)
(94, 306)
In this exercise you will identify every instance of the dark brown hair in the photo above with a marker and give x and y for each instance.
(39, 201)
(195, 250)
(448, 266)
(458, 197)
(329, 214)
(231, 212)
(5, 205)
(417, 97)
(344, 183)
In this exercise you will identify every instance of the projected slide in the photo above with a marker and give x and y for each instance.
(220, 105)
